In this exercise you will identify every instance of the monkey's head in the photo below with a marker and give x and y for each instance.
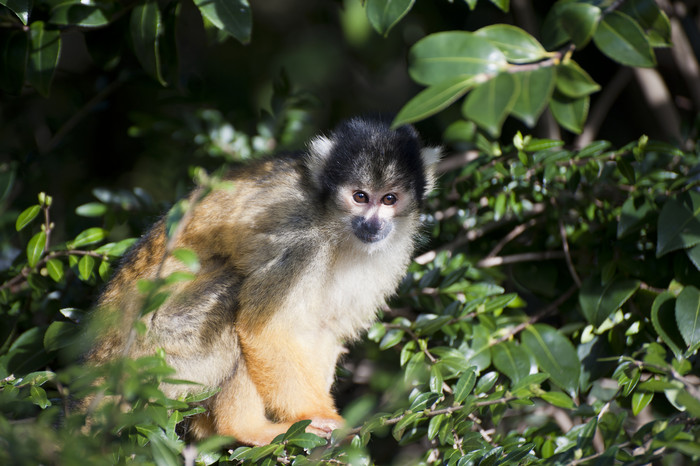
(373, 178)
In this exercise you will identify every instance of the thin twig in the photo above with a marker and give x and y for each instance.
(541, 314)
(514, 233)
(523, 257)
(567, 252)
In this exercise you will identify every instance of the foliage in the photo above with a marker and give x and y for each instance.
(552, 317)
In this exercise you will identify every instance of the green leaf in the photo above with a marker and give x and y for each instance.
(35, 248)
(433, 99)
(85, 267)
(78, 14)
(452, 54)
(503, 5)
(479, 351)
(620, 37)
(55, 269)
(38, 396)
(45, 50)
(688, 316)
(558, 399)
(633, 214)
(19, 7)
(146, 28)
(14, 48)
(694, 255)
(536, 88)
(91, 209)
(663, 319)
(690, 403)
(59, 335)
(27, 352)
(187, 257)
(465, 385)
(554, 354)
(580, 21)
(651, 18)
(640, 400)
(89, 236)
(391, 338)
(570, 113)
(488, 105)
(27, 216)
(486, 382)
(599, 300)
(679, 223)
(385, 14)
(517, 45)
(511, 360)
(231, 16)
(574, 82)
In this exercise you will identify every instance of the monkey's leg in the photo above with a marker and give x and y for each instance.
(293, 375)
(238, 410)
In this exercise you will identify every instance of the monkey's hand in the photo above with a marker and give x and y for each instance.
(323, 427)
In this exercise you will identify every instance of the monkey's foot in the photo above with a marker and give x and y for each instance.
(323, 427)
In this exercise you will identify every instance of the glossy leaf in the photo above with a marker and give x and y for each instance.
(231, 16)
(89, 236)
(479, 352)
(553, 34)
(599, 300)
(432, 100)
(91, 209)
(385, 14)
(573, 81)
(59, 335)
(447, 55)
(694, 255)
(651, 18)
(488, 104)
(14, 48)
(21, 8)
(619, 37)
(78, 14)
(146, 28)
(44, 52)
(511, 360)
(554, 354)
(35, 248)
(688, 316)
(635, 210)
(465, 385)
(570, 113)
(535, 91)
(580, 21)
(640, 400)
(27, 216)
(679, 223)
(85, 266)
(517, 45)
(188, 257)
(54, 267)
(663, 319)
(559, 399)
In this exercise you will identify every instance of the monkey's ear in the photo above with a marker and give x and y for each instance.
(319, 151)
(431, 156)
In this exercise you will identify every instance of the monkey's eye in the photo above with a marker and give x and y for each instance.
(360, 197)
(389, 199)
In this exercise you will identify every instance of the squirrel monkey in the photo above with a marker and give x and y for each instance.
(295, 260)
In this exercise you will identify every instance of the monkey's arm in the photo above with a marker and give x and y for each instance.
(293, 372)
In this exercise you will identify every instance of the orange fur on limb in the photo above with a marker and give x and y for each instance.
(294, 261)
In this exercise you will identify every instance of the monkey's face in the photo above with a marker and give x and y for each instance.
(373, 213)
